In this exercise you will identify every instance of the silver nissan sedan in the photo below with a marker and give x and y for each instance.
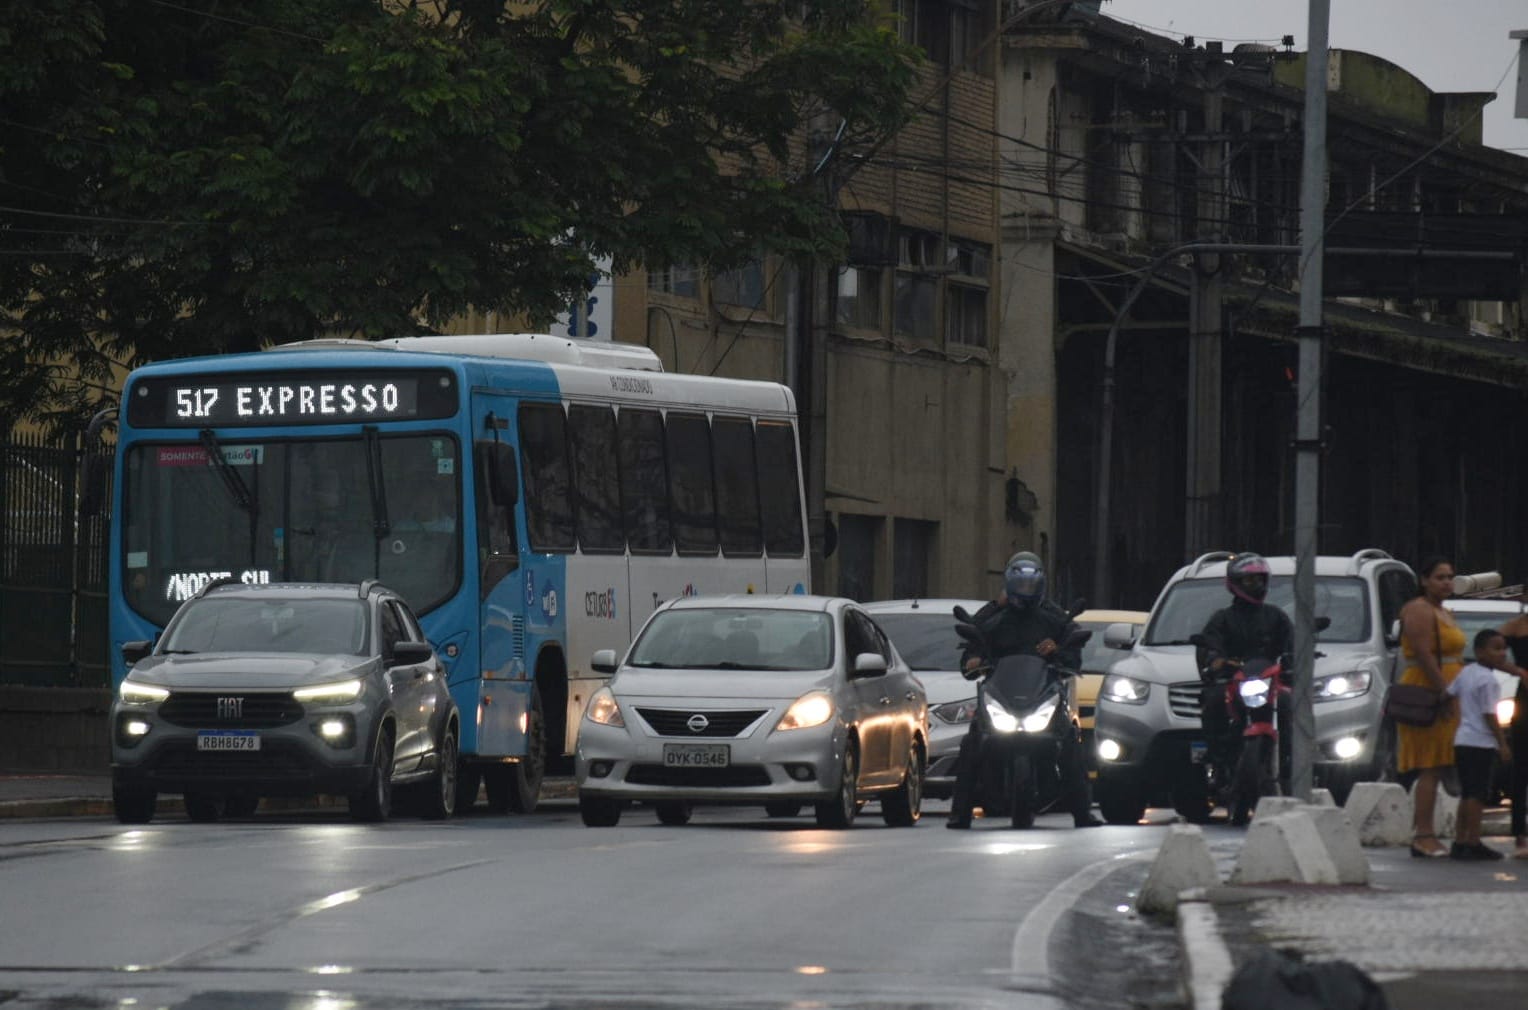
(781, 701)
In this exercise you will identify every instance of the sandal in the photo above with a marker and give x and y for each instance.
(1418, 852)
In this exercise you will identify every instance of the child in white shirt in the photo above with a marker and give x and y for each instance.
(1477, 742)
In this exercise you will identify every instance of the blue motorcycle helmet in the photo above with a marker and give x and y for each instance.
(1024, 580)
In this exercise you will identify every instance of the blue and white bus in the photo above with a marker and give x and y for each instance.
(532, 497)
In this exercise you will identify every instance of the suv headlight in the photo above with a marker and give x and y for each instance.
(337, 691)
(134, 693)
(956, 712)
(1125, 690)
(1340, 685)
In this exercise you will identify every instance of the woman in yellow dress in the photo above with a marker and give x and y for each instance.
(1434, 648)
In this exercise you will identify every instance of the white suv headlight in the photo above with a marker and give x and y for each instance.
(1340, 685)
(1125, 690)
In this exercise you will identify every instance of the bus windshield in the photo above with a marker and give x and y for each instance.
(293, 510)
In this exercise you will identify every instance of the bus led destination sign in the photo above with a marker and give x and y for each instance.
(223, 401)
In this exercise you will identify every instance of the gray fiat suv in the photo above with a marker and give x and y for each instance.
(1149, 739)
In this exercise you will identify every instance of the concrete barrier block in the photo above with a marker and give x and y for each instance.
(1322, 798)
(1284, 848)
(1342, 845)
(1445, 813)
(1182, 864)
(1381, 812)
(1273, 806)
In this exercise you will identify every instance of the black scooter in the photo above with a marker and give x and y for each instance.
(1024, 715)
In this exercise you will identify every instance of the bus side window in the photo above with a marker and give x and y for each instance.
(780, 496)
(737, 486)
(548, 484)
(596, 479)
(497, 553)
(644, 481)
(692, 489)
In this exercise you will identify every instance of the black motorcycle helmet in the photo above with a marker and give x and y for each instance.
(1247, 577)
(1024, 580)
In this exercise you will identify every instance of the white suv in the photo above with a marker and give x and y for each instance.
(1147, 723)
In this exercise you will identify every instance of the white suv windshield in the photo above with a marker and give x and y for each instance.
(1189, 604)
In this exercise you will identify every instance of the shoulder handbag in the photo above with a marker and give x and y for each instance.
(1415, 704)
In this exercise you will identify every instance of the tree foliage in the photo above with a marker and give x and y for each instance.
(201, 176)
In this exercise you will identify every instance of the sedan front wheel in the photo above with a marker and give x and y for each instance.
(902, 807)
(838, 812)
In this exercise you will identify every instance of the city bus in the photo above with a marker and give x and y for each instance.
(532, 497)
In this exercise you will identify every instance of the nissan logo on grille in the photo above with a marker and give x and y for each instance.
(230, 708)
(698, 723)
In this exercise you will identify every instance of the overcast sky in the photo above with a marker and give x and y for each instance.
(1450, 45)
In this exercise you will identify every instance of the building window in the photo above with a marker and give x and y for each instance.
(859, 297)
(966, 293)
(912, 549)
(744, 287)
(682, 280)
(857, 536)
(913, 298)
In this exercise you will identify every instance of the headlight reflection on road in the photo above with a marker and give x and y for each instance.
(130, 841)
(330, 969)
(1009, 848)
(325, 1000)
(810, 969)
(332, 900)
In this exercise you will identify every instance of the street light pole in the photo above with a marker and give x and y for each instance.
(1308, 387)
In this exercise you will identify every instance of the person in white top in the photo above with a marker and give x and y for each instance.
(1477, 742)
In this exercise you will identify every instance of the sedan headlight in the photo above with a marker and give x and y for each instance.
(134, 693)
(337, 691)
(1125, 690)
(1340, 685)
(956, 712)
(812, 709)
(603, 709)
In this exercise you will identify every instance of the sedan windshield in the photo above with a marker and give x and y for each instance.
(736, 638)
(1188, 606)
(243, 625)
(926, 641)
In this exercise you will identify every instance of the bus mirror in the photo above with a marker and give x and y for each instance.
(497, 463)
(92, 485)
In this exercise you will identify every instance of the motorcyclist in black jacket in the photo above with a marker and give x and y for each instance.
(1247, 629)
(1019, 622)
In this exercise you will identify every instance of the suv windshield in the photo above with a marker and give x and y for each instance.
(926, 641)
(232, 624)
(292, 511)
(1190, 603)
(723, 638)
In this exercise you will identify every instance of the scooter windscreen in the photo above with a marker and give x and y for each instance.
(1019, 680)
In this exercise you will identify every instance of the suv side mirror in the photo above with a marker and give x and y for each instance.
(411, 653)
(1120, 635)
(603, 661)
(1322, 623)
(132, 652)
(1393, 633)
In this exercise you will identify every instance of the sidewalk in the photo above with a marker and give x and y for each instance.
(1433, 933)
(88, 794)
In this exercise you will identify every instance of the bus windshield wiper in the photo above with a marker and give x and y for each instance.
(380, 525)
(231, 479)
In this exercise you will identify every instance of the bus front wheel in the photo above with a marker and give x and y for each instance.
(516, 788)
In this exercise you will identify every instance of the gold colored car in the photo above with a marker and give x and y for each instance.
(1096, 660)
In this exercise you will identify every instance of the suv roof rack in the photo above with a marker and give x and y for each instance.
(1367, 554)
(1198, 564)
(367, 585)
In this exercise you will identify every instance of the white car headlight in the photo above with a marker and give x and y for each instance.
(1002, 720)
(1040, 718)
(1125, 690)
(811, 709)
(1505, 710)
(603, 709)
(956, 712)
(134, 693)
(1340, 685)
(339, 690)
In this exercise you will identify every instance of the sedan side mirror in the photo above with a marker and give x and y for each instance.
(603, 661)
(412, 653)
(132, 652)
(869, 664)
(1120, 635)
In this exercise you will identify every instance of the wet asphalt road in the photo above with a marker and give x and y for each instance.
(313, 912)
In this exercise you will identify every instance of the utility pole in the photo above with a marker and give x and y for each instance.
(1308, 415)
(1202, 472)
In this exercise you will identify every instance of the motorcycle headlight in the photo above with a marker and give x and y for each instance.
(1340, 685)
(1038, 720)
(1254, 692)
(134, 693)
(956, 712)
(603, 709)
(1125, 690)
(1002, 720)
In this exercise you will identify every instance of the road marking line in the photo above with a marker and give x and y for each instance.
(1030, 957)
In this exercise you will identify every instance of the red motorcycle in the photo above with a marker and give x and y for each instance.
(1253, 696)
